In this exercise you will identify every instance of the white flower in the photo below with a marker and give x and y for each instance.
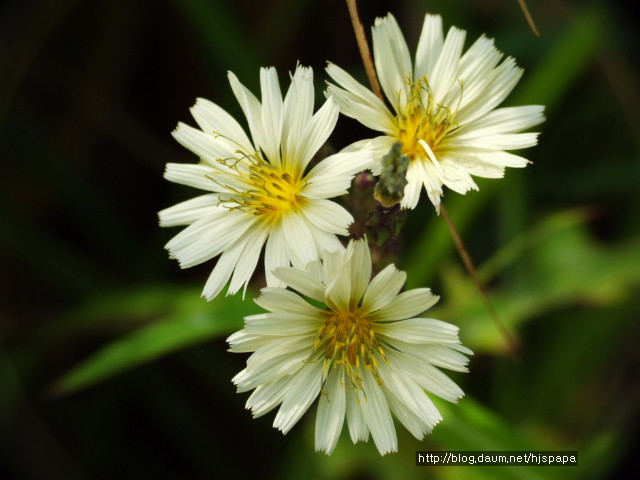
(364, 355)
(444, 108)
(260, 191)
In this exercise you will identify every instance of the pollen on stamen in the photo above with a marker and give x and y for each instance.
(422, 119)
(348, 340)
(260, 188)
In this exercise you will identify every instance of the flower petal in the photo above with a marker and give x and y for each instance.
(392, 60)
(406, 305)
(300, 397)
(358, 102)
(383, 289)
(331, 412)
(445, 69)
(429, 46)
(272, 114)
(216, 121)
(298, 109)
(377, 415)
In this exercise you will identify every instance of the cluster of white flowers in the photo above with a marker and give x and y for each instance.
(336, 333)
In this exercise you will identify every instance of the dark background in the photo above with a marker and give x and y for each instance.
(90, 91)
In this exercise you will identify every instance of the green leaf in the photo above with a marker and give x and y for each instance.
(563, 261)
(194, 322)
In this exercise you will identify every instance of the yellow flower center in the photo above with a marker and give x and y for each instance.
(258, 187)
(348, 340)
(272, 191)
(422, 120)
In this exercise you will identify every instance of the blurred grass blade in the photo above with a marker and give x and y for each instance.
(195, 323)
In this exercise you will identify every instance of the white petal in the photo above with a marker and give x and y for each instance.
(377, 415)
(325, 241)
(272, 115)
(359, 268)
(408, 401)
(358, 429)
(277, 347)
(503, 120)
(191, 210)
(298, 108)
(300, 244)
(358, 102)
(503, 159)
(331, 412)
(457, 177)
(427, 376)
(439, 355)
(251, 108)
(281, 300)
(299, 398)
(383, 289)
(503, 79)
(459, 168)
(206, 145)
(266, 397)
(414, 185)
(303, 281)
(214, 120)
(332, 176)
(197, 176)
(208, 237)
(503, 141)
(271, 370)
(327, 216)
(429, 46)
(444, 72)
(315, 134)
(243, 341)
(406, 305)
(419, 330)
(248, 260)
(222, 271)
(412, 422)
(476, 70)
(392, 60)
(377, 146)
(332, 265)
(283, 323)
(275, 255)
(338, 291)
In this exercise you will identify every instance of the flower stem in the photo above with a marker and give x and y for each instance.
(512, 344)
(363, 45)
(527, 15)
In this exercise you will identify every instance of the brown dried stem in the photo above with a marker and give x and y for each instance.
(527, 15)
(512, 344)
(363, 46)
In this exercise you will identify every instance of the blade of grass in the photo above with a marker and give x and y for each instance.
(196, 322)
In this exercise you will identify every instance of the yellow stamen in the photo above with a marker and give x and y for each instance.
(348, 340)
(423, 119)
(267, 189)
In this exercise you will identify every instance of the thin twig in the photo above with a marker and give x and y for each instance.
(471, 269)
(527, 15)
(363, 46)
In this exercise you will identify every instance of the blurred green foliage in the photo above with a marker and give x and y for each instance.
(112, 366)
